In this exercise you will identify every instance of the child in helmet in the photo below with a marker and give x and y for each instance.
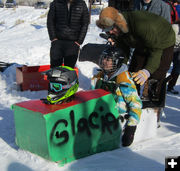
(114, 77)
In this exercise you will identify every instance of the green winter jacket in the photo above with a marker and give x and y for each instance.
(148, 32)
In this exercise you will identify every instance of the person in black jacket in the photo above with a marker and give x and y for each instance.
(122, 5)
(67, 25)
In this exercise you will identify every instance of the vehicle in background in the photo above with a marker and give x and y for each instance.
(11, 4)
(40, 5)
(1, 4)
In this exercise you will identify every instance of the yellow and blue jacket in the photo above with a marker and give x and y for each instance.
(124, 91)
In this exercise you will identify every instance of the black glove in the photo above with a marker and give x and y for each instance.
(128, 135)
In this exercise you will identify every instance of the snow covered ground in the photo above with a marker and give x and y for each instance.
(24, 40)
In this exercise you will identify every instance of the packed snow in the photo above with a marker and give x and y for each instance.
(24, 41)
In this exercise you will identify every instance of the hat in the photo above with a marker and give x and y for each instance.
(109, 17)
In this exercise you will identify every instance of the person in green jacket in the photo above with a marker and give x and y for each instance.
(151, 35)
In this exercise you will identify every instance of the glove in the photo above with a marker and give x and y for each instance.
(128, 135)
(141, 76)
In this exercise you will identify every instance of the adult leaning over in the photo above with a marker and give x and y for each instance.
(151, 35)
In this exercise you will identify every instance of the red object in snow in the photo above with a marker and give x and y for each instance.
(31, 77)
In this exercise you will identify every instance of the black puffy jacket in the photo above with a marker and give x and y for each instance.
(68, 25)
(122, 5)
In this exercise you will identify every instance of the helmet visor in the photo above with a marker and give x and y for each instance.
(56, 87)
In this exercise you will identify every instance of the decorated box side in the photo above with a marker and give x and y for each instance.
(83, 129)
(30, 129)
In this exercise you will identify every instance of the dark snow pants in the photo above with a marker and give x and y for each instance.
(63, 52)
(175, 70)
(139, 61)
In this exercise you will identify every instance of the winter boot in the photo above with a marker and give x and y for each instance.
(128, 135)
(172, 91)
(172, 83)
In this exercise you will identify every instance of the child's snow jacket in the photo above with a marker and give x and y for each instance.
(124, 91)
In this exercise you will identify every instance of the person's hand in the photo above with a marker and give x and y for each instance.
(111, 41)
(77, 43)
(141, 76)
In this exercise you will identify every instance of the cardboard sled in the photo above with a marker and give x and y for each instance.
(31, 78)
(69, 131)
